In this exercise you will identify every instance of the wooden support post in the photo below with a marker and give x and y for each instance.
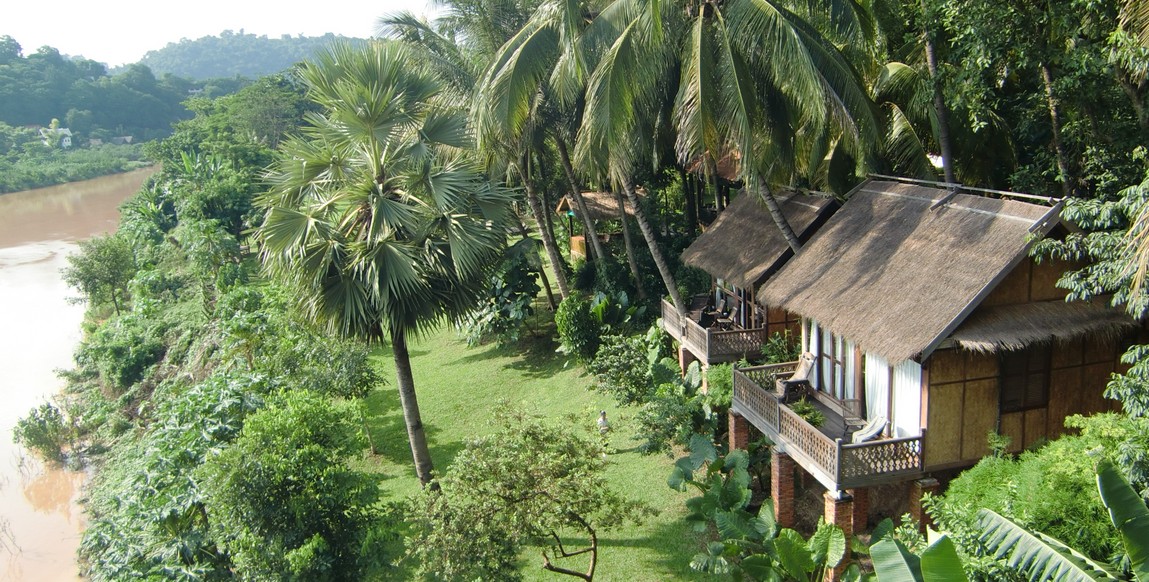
(918, 490)
(838, 510)
(782, 488)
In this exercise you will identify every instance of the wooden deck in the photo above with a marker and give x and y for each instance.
(825, 452)
(712, 346)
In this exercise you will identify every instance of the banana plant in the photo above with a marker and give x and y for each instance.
(939, 562)
(1129, 514)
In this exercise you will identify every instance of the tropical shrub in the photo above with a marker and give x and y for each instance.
(44, 431)
(781, 347)
(1042, 490)
(123, 350)
(749, 546)
(509, 299)
(578, 331)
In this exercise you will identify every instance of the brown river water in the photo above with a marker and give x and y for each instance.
(40, 517)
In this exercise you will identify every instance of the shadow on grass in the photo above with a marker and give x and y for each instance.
(671, 547)
(388, 431)
(534, 356)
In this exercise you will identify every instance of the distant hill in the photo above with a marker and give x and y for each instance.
(231, 54)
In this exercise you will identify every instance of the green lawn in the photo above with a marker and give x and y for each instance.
(458, 386)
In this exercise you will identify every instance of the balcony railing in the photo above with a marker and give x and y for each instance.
(836, 464)
(712, 345)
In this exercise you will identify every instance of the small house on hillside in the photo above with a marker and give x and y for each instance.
(925, 326)
(60, 137)
(600, 206)
(740, 250)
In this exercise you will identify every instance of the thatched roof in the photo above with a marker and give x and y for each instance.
(898, 276)
(744, 246)
(601, 205)
(1012, 327)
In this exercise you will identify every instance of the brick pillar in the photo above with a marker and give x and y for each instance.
(840, 512)
(782, 488)
(685, 357)
(738, 430)
(918, 489)
(861, 508)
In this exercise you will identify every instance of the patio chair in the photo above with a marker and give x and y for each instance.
(790, 389)
(726, 322)
(870, 430)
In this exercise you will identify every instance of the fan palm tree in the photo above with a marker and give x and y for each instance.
(375, 215)
(459, 46)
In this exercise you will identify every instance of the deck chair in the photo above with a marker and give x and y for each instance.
(726, 321)
(790, 389)
(870, 430)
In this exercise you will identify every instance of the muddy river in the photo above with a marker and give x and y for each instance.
(40, 518)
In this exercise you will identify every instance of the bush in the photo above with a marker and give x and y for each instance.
(621, 368)
(123, 350)
(577, 328)
(781, 347)
(44, 431)
(1050, 490)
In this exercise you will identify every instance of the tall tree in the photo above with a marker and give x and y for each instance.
(756, 81)
(376, 215)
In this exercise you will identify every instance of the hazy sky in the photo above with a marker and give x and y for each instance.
(118, 32)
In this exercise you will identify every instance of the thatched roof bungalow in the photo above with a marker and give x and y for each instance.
(926, 316)
(741, 249)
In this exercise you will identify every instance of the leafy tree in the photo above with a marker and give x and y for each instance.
(375, 216)
(102, 269)
(283, 501)
(533, 482)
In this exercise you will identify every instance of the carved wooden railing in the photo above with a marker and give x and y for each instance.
(844, 465)
(712, 345)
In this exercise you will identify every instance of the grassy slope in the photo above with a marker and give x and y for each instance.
(458, 386)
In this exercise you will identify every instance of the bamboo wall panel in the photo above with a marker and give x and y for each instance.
(1013, 289)
(947, 366)
(943, 435)
(981, 366)
(1065, 398)
(1012, 426)
(1044, 280)
(1066, 354)
(980, 417)
(1035, 426)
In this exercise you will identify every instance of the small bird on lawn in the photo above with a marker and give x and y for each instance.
(603, 425)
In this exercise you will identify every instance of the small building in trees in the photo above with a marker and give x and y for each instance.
(925, 326)
(741, 250)
(601, 207)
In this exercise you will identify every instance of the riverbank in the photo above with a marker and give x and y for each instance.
(40, 516)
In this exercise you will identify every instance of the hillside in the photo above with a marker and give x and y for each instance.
(231, 54)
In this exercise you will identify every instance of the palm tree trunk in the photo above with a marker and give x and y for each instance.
(1055, 121)
(575, 191)
(691, 210)
(655, 252)
(630, 257)
(779, 219)
(534, 202)
(543, 271)
(410, 403)
(940, 108)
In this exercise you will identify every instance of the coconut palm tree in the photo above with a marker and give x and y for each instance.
(758, 80)
(375, 215)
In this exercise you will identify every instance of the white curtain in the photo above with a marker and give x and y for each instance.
(814, 337)
(877, 387)
(907, 399)
(850, 368)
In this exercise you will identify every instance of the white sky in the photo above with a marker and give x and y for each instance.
(118, 32)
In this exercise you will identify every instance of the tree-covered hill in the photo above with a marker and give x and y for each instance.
(231, 54)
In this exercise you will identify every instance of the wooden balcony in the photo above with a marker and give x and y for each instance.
(711, 345)
(833, 460)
